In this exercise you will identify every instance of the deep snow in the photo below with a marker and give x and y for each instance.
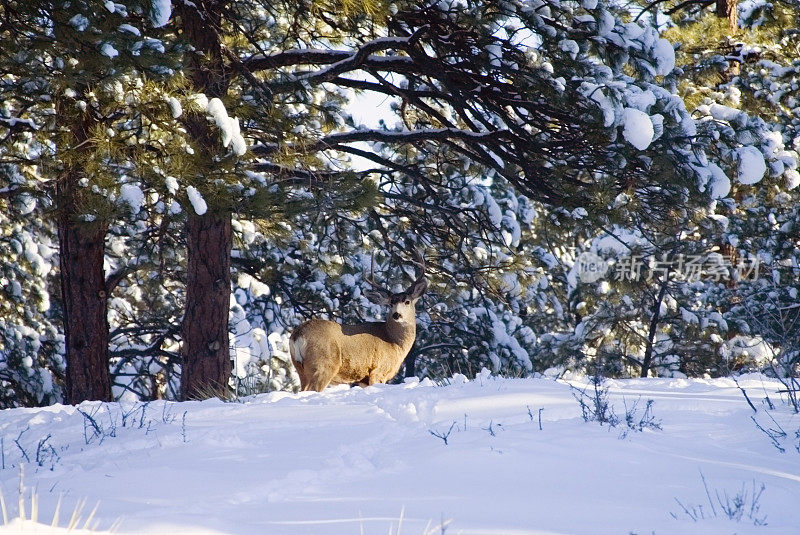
(352, 461)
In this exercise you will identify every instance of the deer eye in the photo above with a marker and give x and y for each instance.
(408, 302)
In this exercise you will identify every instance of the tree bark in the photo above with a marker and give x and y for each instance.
(728, 9)
(206, 354)
(206, 346)
(83, 285)
(83, 294)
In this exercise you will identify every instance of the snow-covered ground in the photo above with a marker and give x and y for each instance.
(353, 461)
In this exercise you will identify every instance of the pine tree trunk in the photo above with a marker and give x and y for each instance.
(83, 285)
(206, 354)
(83, 293)
(206, 347)
(728, 9)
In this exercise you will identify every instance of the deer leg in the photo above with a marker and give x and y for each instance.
(366, 381)
(374, 377)
(323, 371)
(299, 368)
(362, 383)
(319, 380)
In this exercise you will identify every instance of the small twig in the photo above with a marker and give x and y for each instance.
(16, 441)
(183, 426)
(90, 422)
(708, 494)
(772, 434)
(530, 415)
(443, 436)
(166, 414)
(144, 411)
(127, 414)
(490, 429)
(40, 448)
(691, 514)
(746, 397)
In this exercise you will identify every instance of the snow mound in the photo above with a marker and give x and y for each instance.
(719, 185)
(351, 460)
(198, 203)
(160, 13)
(752, 166)
(132, 195)
(665, 57)
(175, 107)
(792, 178)
(109, 51)
(229, 126)
(637, 128)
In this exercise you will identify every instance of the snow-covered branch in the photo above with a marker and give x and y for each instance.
(337, 61)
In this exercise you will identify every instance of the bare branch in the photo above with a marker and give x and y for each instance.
(687, 3)
(406, 136)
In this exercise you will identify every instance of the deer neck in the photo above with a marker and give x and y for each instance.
(402, 333)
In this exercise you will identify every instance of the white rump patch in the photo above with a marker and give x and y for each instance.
(297, 348)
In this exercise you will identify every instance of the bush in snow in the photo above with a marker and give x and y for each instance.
(772, 314)
(741, 505)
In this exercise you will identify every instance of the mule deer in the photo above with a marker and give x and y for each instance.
(325, 352)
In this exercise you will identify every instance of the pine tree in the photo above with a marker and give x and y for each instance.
(31, 365)
(739, 73)
(564, 123)
(67, 68)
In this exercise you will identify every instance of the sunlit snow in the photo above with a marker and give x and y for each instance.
(751, 165)
(161, 12)
(198, 203)
(132, 195)
(108, 50)
(638, 128)
(518, 459)
(719, 185)
(665, 57)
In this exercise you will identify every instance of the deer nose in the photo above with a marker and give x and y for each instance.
(396, 315)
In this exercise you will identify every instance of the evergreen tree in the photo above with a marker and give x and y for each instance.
(514, 139)
(67, 68)
(31, 363)
(739, 73)
(562, 122)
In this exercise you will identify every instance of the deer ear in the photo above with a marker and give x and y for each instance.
(379, 298)
(417, 289)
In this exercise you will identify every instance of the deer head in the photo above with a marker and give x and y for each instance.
(401, 305)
